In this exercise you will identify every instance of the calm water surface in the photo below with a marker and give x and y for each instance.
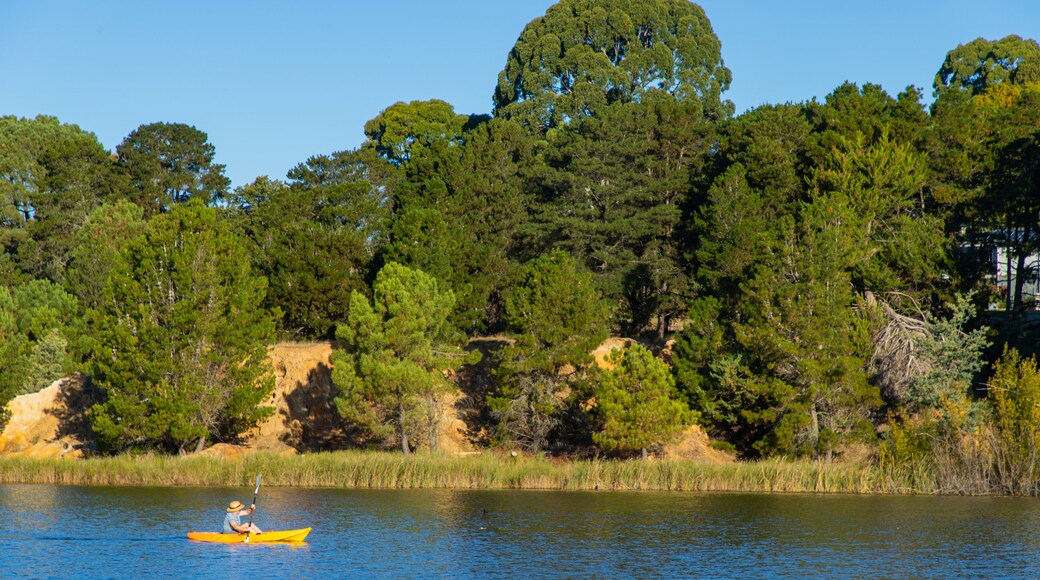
(112, 532)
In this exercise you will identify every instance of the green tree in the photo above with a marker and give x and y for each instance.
(13, 345)
(1014, 391)
(583, 55)
(868, 112)
(79, 175)
(180, 337)
(313, 241)
(981, 64)
(735, 221)
(397, 351)
(36, 319)
(788, 269)
(963, 144)
(48, 362)
(170, 163)
(978, 83)
(699, 343)
(96, 246)
(959, 161)
(954, 356)
(745, 224)
(404, 130)
(867, 233)
(761, 170)
(805, 344)
(457, 201)
(636, 403)
(988, 159)
(621, 183)
(557, 317)
(773, 144)
(487, 207)
(51, 176)
(427, 237)
(904, 242)
(858, 133)
(42, 306)
(1012, 197)
(24, 141)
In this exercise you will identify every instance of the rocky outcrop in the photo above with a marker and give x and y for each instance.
(693, 444)
(305, 417)
(51, 422)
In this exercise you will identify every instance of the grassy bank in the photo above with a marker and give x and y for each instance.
(358, 469)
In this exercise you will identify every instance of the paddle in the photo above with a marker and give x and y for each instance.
(256, 492)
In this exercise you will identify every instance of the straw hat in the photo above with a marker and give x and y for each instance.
(235, 506)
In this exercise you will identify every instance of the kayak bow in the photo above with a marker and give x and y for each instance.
(279, 536)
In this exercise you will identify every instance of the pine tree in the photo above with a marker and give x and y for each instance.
(617, 189)
(397, 349)
(314, 240)
(558, 317)
(180, 337)
(636, 403)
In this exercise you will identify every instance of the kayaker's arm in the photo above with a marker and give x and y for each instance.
(240, 528)
(244, 528)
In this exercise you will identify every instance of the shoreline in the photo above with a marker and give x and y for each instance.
(388, 470)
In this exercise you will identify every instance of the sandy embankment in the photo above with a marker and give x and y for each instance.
(53, 423)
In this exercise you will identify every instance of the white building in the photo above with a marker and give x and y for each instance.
(1001, 267)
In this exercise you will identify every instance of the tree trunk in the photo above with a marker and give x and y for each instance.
(662, 317)
(434, 423)
(1020, 280)
(1008, 303)
(404, 434)
(645, 454)
(1020, 269)
(201, 444)
(814, 429)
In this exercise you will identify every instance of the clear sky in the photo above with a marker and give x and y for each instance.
(273, 83)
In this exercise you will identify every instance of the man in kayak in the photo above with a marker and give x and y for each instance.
(233, 519)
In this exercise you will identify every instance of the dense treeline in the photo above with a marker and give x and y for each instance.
(825, 268)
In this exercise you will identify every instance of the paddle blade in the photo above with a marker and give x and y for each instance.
(257, 490)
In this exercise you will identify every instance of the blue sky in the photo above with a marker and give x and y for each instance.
(273, 83)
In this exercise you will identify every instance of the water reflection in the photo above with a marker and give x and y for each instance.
(95, 532)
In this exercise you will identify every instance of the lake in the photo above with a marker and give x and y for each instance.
(49, 531)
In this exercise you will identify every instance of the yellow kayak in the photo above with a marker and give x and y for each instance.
(280, 536)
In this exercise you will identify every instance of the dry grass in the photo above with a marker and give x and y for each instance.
(361, 469)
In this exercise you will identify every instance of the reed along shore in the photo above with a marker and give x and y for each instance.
(387, 470)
